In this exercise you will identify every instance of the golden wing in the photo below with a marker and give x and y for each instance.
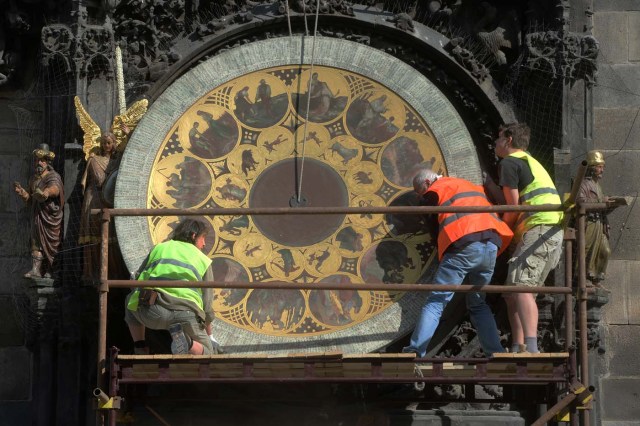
(91, 130)
(130, 120)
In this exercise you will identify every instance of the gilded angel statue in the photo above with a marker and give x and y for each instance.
(102, 152)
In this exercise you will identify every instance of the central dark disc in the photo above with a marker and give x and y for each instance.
(321, 187)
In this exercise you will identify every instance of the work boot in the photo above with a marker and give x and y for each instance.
(36, 265)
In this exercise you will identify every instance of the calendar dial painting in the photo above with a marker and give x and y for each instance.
(255, 141)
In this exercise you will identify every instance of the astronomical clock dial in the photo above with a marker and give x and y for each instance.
(288, 136)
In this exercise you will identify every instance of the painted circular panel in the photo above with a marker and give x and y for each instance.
(281, 135)
(349, 161)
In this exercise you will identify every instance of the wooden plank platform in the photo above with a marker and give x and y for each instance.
(338, 365)
(528, 355)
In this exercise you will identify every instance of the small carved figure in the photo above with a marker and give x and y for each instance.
(403, 22)
(597, 229)
(102, 152)
(45, 196)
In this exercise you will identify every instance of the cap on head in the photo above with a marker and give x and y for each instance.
(595, 158)
(42, 151)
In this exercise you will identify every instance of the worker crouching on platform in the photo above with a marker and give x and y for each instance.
(186, 312)
(468, 244)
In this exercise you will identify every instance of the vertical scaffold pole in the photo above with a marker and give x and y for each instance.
(102, 294)
(582, 305)
(570, 331)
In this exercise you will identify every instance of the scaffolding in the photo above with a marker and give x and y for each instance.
(565, 374)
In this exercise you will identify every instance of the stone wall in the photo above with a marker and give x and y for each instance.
(15, 358)
(616, 112)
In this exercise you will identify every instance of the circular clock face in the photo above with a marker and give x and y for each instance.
(296, 136)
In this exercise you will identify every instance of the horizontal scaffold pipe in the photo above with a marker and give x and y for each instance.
(282, 285)
(326, 210)
(342, 210)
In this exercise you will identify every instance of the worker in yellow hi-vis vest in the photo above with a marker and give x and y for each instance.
(186, 312)
(537, 242)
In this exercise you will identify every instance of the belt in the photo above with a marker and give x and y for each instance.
(147, 297)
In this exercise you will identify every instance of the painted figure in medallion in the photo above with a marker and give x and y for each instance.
(217, 139)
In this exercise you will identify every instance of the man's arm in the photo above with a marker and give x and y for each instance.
(511, 197)
(493, 191)
(431, 220)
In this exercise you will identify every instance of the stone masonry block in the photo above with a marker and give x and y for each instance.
(620, 399)
(621, 177)
(14, 239)
(616, 127)
(622, 350)
(11, 333)
(15, 370)
(634, 36)
(616, 312)
(615, 6)
(618, 86)
(625, 230)
(610, 28)
(623, 307)
(634, 292)
(12, 169)
(13, 268)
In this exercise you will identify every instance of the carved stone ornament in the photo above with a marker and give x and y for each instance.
(94, 42)
(403, 21)
(563, 54)
(84, 45)
(467, 59)
(147, 31)
(57, 40)
(343, 7)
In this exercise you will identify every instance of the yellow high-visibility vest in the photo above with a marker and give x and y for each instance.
(174, 260)
(540, 191)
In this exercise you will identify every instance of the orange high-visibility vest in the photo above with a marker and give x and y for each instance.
(453, 226)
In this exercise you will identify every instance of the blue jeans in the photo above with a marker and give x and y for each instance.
(474, 262)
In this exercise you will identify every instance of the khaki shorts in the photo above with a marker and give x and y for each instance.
(537, 254)
(157, 317)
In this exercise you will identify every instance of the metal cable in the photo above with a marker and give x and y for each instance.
(306, 116)
(286, 3)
